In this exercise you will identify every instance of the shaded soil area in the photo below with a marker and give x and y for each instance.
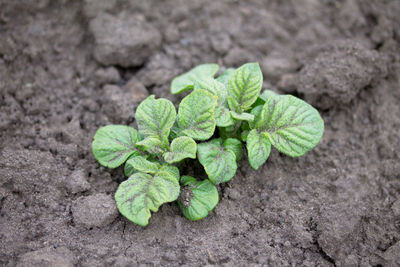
(68, 67)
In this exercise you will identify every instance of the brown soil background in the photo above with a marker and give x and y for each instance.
(337, 205)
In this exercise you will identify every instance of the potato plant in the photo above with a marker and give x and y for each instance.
(211, 125)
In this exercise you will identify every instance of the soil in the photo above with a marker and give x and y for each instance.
(68, 67)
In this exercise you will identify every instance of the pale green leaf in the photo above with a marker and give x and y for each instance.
(256, 112)
(258, 148)
(186, 81)
(223, 117)
(155, 117)
(225, 76)
(181, 148)
(244, 116)
(153, 145)
(218, 162)
(197, 198)
(140, 164)
(292, 126)
(196, 115)
(235, 146)
(143, 193)
(113, 144)
(244, 86)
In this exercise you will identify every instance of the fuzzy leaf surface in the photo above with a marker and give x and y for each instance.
(199, 198)
(235, 146)
(186, 81)
(244, 86)
(181, 148)
(113, 144)
(155, 117)
(140, 164)
(143, 193)
(291, 125)
(218, 162)
(196, 115)
(258, 148)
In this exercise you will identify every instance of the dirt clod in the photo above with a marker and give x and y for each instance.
(48, 256)
(96, 210)
(126, 40)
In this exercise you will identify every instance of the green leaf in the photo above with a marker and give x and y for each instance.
(181, 148)
(225, 76)
(267, 94)
(140, 164)
(186, 81)
(244, 86)
(196, 115)
(242, 116)
(256, 112)
(218, 162)
(258, 148)
(197, 198)
(223, 117)
(155, 117)
(235, 146)
(143, 193)
(113, 144)
(153, 145)
(291, 125)
(214, 87)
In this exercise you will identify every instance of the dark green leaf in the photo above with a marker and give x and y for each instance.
(198, 198)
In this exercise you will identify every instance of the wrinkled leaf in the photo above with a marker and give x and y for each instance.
(155, 117)
(140, 164)
(196, 115)
(113, 144)
(225, 76)
(242, 116)
(218, 162)
(181, 148)
(235, 146)
(153, 145)
(198, 198)
(244, 86)
(143, 193)
(186, 81)
(267, 94)
(292, 126)
(257, 122)
(258, 148)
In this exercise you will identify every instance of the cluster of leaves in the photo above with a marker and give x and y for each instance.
(233, 103)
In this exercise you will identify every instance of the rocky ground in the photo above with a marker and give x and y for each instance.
(68, 67)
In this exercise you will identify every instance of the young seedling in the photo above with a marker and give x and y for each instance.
(155, 154)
